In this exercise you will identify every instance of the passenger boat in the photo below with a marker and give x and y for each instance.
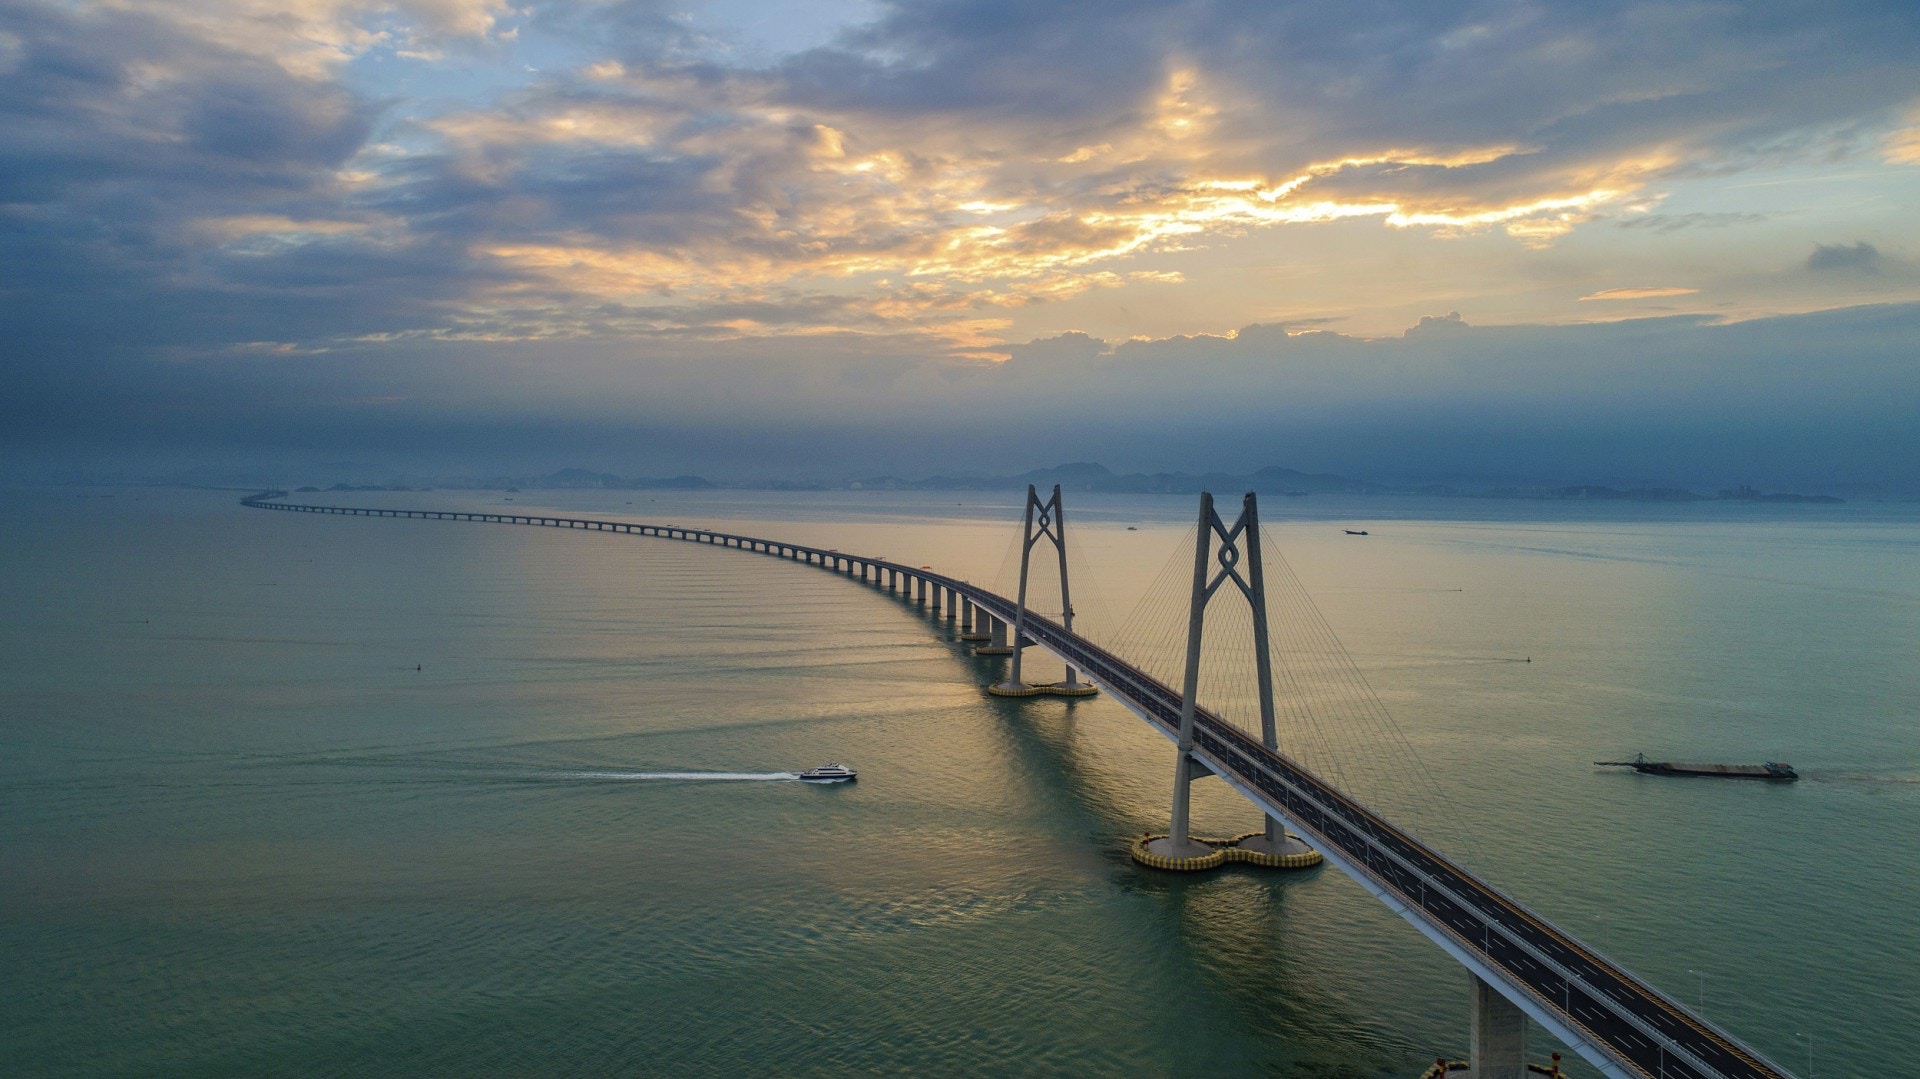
(1768, 770)
(828, 773)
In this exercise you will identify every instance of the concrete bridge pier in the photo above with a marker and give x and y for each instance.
(996, 639)
(973, 625)
(1497, 1047)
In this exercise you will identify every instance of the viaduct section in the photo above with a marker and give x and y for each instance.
(1522, 965)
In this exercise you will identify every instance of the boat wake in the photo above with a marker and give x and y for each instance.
(717, 777)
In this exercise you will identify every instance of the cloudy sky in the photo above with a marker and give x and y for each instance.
(1674, 242)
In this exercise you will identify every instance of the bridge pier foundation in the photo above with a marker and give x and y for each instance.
(1497, 1046)
(996, 639)
(1275, 842)
(1178, 849)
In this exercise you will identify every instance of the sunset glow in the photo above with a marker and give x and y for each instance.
(929, 189)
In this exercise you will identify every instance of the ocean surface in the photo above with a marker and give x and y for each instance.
(301, 795)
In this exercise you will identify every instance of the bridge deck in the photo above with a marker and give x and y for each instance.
(1611, 1017)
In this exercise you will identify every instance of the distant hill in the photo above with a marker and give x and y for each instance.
(578, 478)
(1089, 476)
(1075, 476)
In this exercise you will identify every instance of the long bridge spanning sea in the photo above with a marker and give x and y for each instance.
(1523, 966)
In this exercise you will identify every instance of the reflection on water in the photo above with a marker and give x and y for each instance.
(457, 799)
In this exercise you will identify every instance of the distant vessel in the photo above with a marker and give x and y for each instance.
(1769, 770)
(1351, 532)
(828, 773)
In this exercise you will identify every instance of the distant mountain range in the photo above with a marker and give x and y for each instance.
(1079, 476)
(1087, 476)
(569, 478)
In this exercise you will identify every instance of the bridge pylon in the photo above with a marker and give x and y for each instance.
(1042, 520)
(1178, 849)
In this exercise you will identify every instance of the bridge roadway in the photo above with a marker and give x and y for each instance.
(1617, 1022)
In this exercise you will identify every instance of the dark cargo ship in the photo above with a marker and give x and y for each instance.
(1769, 770)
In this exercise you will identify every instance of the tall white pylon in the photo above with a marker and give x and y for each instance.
(1043, 520)
(1243, 536)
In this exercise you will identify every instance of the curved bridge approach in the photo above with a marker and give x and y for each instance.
(1613, 1019)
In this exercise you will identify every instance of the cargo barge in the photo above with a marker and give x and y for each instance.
(1769, 770)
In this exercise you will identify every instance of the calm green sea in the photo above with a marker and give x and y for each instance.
(299, 795)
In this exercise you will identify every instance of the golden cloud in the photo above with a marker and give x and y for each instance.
(312, 38)
(232, 227)
(845, 206)
(1902, 147)
(1637, 293)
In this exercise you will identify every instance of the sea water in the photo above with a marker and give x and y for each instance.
(293, 794)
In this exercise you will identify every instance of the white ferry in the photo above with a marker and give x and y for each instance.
(828, 773)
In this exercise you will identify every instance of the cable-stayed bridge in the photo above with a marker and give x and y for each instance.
(1522, 965)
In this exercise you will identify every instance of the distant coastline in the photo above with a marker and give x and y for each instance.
(1075, 477)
